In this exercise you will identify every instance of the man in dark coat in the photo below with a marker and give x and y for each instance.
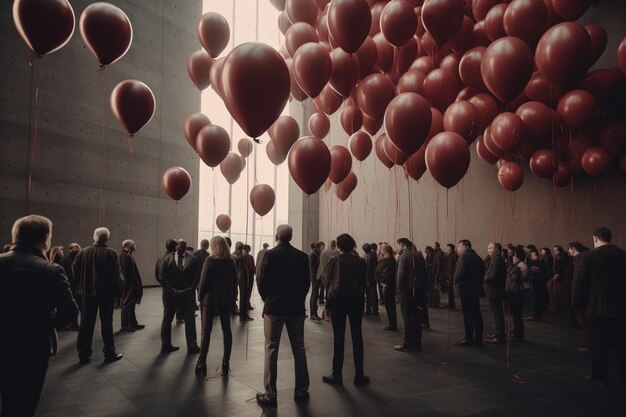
(250, 270)
(97, 269)
(411, 287)
(314, 264)
(259, 258)
(283, 285)
(494, 283)
(439, 270)
(468, 279)
(598, 292)
(170, 247)
(451, 259)
(133, 287)
(69, 272)
(25, 272)
(371, 291)
(242, 281)
(202, 253)
(179, 275)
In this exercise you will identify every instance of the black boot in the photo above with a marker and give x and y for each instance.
(201, 369)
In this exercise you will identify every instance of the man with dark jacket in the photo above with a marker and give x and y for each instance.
(371, 295)
(202, 253)
(411, 288)
(259, 258)
(69, 272)
(242, 281)
(24, 270)
(179, 275)
(468, 279)
(598, 292)
(314, 264)
(283, 285)
(451, 259)
(133, 287)
(494, 283)
(170, 247)
(325, 255)
(100, 282)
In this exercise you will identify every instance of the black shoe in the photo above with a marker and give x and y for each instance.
(225, 368)
(390, 328)
(301, 398)
(332, 379)
(359, 381)
(113, 357)
(250, 308)
(464, 342)
(316, 318)
(246, 318)
(405, 348)
(139, 326)
(201, 369)
(265, 400)
(84, 360)
(127, 329)
(193, 350)
(169, 348)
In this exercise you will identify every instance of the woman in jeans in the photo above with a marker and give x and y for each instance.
(517, 287)
(345, 285)
(386, 277)
(216, 296)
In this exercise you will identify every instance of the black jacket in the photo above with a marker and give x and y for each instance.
(69, 271)
(495, 277)
(172, 278)
(284, 280)
(371, 261)
(133, 287)
(157, 267)
(314, 264)
(217, 282)
(411, 273)
(201, 254)
(242, 270)
(469, 273)
(97, 270)
(31, 289)
(386, 272)
(346, 282)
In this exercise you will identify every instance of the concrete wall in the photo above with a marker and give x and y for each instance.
(478, 208)
(75, 120)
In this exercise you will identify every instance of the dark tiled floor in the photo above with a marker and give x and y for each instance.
(475, 382)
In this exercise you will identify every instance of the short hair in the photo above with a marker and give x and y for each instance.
(498, 246)
(313, 245)
(127, 243)
(266, 245)
(318, 245)
(437, 245)
(345, 242)
(73, 245)
(577, 245)
(246, 247)
(204, 243)
(404, 242)
(220, 248)
(373, 247)
(182, 243)
(284, 232)
(238, 245)
(451, 246)
(466, 242)
(32, 230)
(520, 254)
(366, 247)
(170, 245)
(230, 242)
(603, 234)
(429, 249)
(333, 244)
(101, 235)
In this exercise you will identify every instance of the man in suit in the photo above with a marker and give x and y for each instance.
(283, 285)
(170, 247)
(494, 283)
(468, 279)
(179, 275)
(133, 287)
(598, 292)
(314, 264)
(371, 295)
(250, 270)
(25, 349)
(202, 253)
(242, 282)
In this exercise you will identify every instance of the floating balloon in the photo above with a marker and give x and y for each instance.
(570, 9)
(599, 39)
(231, 167)
(193, 124)
(213, 33)
(576, 109)
(294, 88)
(441, 88)
(351, 119)
(212, 144)
(262, 199)
(360, 145)
(487, 106)
(106, 31)
(480, 8)
(373, 94)
(436, 126)
(506, 67)
(349, 23)
(372, 126)
(544, 163)
(407, 122)
(411, 81)
(463, 118)
(329, 101)
(540, 89)
(199, 69)
(345, 187)
(245, 147)
(309, 164)
(464, 38)
(511, 175)
(301, 11)
(424, 64)
(274, 154)
(538, 119)
(132, 103)
(46, 26)
(507, 131)
(299, 34)
(442, 19)
(215, 76)
(563, 175)
(447, 158)
(484, 153)
(394, 154)
(284, 133)
(376, 10)
(398, 22)
(525, 19)
(384, 53)
(494, 22)
(283, 23)
(596, 161)
(340, 163)
(345, 72)
(223, 222)
(415, 166)
(312, 68)
(469, 68)
(176, 182)
(380, 151)
(319, 125)
(367, 56)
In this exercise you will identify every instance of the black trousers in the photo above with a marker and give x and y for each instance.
(208, 314)
(315, 294)
(371, 298)
(413, 309)
(538, 298)
(185, 304)
(91, 305)
(338, 320)
(389, 297)
(472, 318)
(322, 292)
(451, 302)
(497, 309)
(604, 332)
(129, 319)
(516, 306)
(243, 298)
(22, 377)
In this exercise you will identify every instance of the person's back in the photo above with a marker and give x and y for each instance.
(347, 281)
(469, 274)
(221, 278)
(96, 268)
(411, 271)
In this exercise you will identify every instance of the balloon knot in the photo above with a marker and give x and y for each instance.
(257, 141)
(101, 68)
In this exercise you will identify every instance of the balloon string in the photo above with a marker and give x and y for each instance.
(437, 215)
(214, 204)
(32, 155)
(176, 219)
(130, 187)
(104, 95)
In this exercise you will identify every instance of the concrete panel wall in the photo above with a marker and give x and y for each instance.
(77, 133)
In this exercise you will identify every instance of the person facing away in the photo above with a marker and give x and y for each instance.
(69, 272)
(283, 285)
(386, 277)
(451, 259)
(25, 271)
(215, 295)
(202, 253)
(538, 292)
(314, 264)
(494, 284)
(325, 255)
(179, 275)
(250, 269)
(242, 281)
(518, 285)
(259, 258)
(371, 295)
(170, 247)
(598, 293)
(346, 284)
(97, 269)
(468, 279)
(133, 287)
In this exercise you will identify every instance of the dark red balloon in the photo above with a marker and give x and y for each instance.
(441, 88)
(563, 175)
(570, 9)
(411, 82)
(464, 38)
(312, 68)
(132, 103)
(299, 34)
(45, 25)
(596, 161)
(380, 151)
(463, 118)
(367, 55)
(351, 119)
(106, 31)
(507, 131)
(484, 153)
(199, 69)
(193, 124)
(223, 222)
(447, 158)
(302, 11)
(319, 125)
(525, 19)
(407, 122)
(538, 119)
(345, 187)
(373, 94)
(349, 23)
(577, 147)
(406, 54)
(176, 182)
(436, 126)
(424, 64)
(215, 76)
(213, 33)
(398, 22)
(511, 175)
(613, 137)
(494, 22)
(295, 90)
(262, 199)
(309, 164)
(469, 68)
(345, 72)
(245, 147)
(540, 89)
(442, 19)
(598, 38)
(487, 106)
(506, 67)
(284, 133)
(543, 163)
(415, 166)
(360, 145)
(384, 53)
(274, 155)
(480, 8)
(340, 163)
(576, 109)
(451, 63)
(212, 144)
(231, 167)
(480, 34)
(394, 154)
(372, 126)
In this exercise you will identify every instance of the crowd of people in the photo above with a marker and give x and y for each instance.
(581, 286)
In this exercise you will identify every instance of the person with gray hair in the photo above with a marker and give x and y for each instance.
(133, 287)
(100, 282)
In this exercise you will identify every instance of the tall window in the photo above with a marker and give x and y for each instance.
(249, 20)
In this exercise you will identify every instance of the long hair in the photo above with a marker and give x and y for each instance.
(219, 248)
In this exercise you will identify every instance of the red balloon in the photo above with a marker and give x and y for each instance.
(447, 158)
(212, 144)
(562, 53)
(494, 22)
(424, 64)
(284, 133)
(301, 11)
(132, 103)
(442, 19)
(469, 68)
(256, 86)
(193, 124)
(351, 119)
(262, 199)
(373, 94)
(231, 167)
(278, 4)
(46, 26)
(372, 126)
(309, 164)
(394, 154)
(596, 161)
(511, 175)
(538, 119)
(506, 67)
(570, 9)
(380, 151)
(441, 88)
(176, 182)
(464, 38)
(563, 175)
(295, 90)
(321, 27)
(406, 54)
(613, 137)
(411, 82)
(603, 84)
(436, 126)
(428, 45)
(215, 77)
(621, 56)
(299, 34)
(507, 131)
(376, 10)
(199, 69)
(245, 147)
(345, 187)
(340, 163)
(345, 72)
(384, 53)
(274, 154)
(480, 8)
(349, 23)
(491, 146)
(213, 33)
(415, 166)
(598, 38)
(319, 125)
(329, 100)
(463, 118)
(106, 31)
(312, 68)
(543, 163)
(525, 19)
(484, 153)
(466, 94)
(283, 23)
(540, 89)
(398, 22)
(451, 63)
(407, 122)
(223, 222)
(576, 109)
(479, 33)
(578, 146)
(360, 145)
(487, 106)
(367, 55)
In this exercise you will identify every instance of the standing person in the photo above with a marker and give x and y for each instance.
(133, 287)
(215, 294)
(202, 253)
(314, 264)
(468, 278)
(250, 269)
(97, 269)
(179, 275)
(371, 296)
(494, 283)
(556, 285)
(597, 293)
(451, 259)
(259, 259)
(69, 272)
(433, 292)
(170, 247)
(411, 288)
(439, 272)
(518, 284)
(346, 284)
(538, 291)
(283, 285)
(386, 278)
(242, 281)
(24, 270)
(56, 255)
(325, 256)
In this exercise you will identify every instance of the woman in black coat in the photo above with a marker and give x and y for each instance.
(216, 295)
(386, 277)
